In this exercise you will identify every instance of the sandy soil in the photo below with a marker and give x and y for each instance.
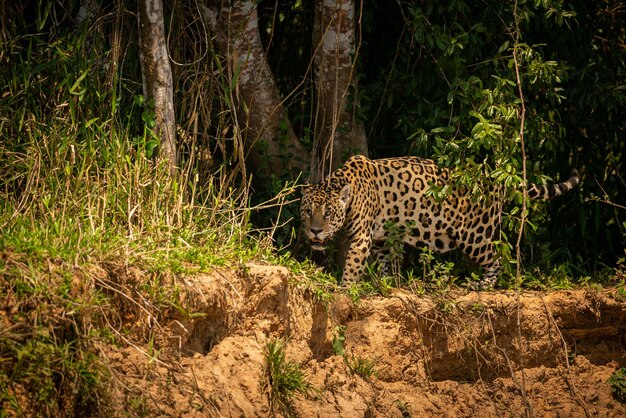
(464, 356)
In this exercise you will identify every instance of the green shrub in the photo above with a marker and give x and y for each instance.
(286, 380)
(617, 381)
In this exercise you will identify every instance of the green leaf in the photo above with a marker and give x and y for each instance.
(74, 89)
(139, 100)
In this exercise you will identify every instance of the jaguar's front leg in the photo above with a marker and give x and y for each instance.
(358, 253)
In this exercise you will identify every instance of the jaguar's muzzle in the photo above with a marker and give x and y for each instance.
(318, 244)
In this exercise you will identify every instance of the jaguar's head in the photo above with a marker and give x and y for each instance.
(323, 209)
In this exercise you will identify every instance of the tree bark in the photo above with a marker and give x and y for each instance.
(157, 75)
(337, 133)
(271, 144)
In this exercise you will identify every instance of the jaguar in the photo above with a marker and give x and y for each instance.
(364, 196)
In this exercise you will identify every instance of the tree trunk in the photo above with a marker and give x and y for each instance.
(157, 75)
(337, 133)
(271, 144)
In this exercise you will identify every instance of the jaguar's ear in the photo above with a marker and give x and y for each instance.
(344, 194)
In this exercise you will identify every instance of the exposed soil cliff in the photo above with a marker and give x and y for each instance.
(464, 356)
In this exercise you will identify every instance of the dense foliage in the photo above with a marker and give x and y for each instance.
(437, 79)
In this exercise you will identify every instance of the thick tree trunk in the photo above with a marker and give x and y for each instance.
(271, 144)
(337, 133)
(157, 75)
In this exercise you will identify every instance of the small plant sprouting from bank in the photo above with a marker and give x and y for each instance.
(619, 276)
(617, 381)
(285, 380)
(359, 289)
(379, 283)
(361, 366)
(434, 272)
(339, 340)
(403, 407)
(308, 276)
(620, 292)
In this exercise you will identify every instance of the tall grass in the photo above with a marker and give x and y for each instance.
(96, 196)
(78, 179)
(83, 201)
(70, 202)
(80, 191)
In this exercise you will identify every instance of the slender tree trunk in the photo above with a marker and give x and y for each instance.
(157, 75)
(271, 144)
(337, 133)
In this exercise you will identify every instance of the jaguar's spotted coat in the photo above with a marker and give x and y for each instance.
(363, 195)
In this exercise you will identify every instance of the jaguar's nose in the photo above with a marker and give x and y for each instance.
(315, 230)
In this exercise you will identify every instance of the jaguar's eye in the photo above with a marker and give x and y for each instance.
(307, 213)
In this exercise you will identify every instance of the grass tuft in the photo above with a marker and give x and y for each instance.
(617, 381)
(285, 380)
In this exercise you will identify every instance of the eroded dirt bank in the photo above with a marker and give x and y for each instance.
(457, 358)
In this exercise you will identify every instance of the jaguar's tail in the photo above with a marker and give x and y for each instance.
(536, 191)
